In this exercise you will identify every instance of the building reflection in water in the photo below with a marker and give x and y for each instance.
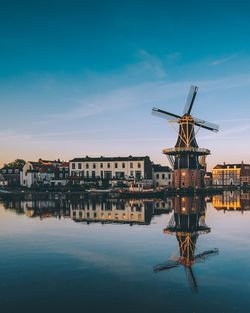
(187, 223)
(232, 201)
(94, 209)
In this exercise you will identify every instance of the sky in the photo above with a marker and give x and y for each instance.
(81, 77)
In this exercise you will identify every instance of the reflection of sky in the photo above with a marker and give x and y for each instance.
(82, 78)
(62, 265)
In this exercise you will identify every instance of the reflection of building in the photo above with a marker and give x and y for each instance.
(94, 209)
(187, 223)
(231, 174)
(132, 211)
(232, 201)
(111, 168)
(39, 208)
(162, 176)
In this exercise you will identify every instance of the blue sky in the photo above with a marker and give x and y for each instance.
(81, 77)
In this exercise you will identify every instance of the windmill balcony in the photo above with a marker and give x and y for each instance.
(177, 150)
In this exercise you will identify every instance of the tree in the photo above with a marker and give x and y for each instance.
(18, 163)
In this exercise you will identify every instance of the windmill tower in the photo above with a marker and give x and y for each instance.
(187, 223)
(186, 158)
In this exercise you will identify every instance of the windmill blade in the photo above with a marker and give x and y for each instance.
(166, 266)
(171, 160)
(190, 99)
(165, 114)
(191, 279)
(206, 125)
(201, 257)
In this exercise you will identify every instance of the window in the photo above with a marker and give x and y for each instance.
(93, 174)
(139, 165)
(116, 165)
(73, 166)
(119, 174)
(108, 165)
(108, 174)
(138, 174)
(101, 165)
(123, 165)
(163, 176)
(79, 166)
(157, 176)
(94, 165)
(131, 164)
(131, 173)
(87, 165)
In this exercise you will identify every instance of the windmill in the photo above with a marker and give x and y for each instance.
(186, 158)
(187, 223)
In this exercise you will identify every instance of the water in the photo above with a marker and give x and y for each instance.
(99, 254)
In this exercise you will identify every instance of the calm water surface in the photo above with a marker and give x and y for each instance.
(113, 255)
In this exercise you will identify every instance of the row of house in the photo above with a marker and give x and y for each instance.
(231, 174)
(113, 171)
(101, 171)
(44, 172)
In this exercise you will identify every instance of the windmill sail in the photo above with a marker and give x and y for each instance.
(165, 114)
(190, 99)
(205, 124)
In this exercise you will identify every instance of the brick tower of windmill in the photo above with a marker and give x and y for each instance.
(186, 158)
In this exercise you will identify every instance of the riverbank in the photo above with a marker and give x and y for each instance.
(116, 193)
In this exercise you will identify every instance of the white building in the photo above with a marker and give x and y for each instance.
(123, 168)
(34, 173)
(162, 176)
(44, 172)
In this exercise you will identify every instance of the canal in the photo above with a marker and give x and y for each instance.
(183, 254)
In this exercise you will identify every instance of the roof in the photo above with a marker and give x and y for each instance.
(35, 163)
(42, 168)
(64, 164)
(232, 165)
(109, 159)
(49, 161)
(160, 168)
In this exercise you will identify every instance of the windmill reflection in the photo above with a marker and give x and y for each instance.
(187, 223)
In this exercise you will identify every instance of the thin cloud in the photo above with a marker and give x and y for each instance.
(146, 94)
(224, 60)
